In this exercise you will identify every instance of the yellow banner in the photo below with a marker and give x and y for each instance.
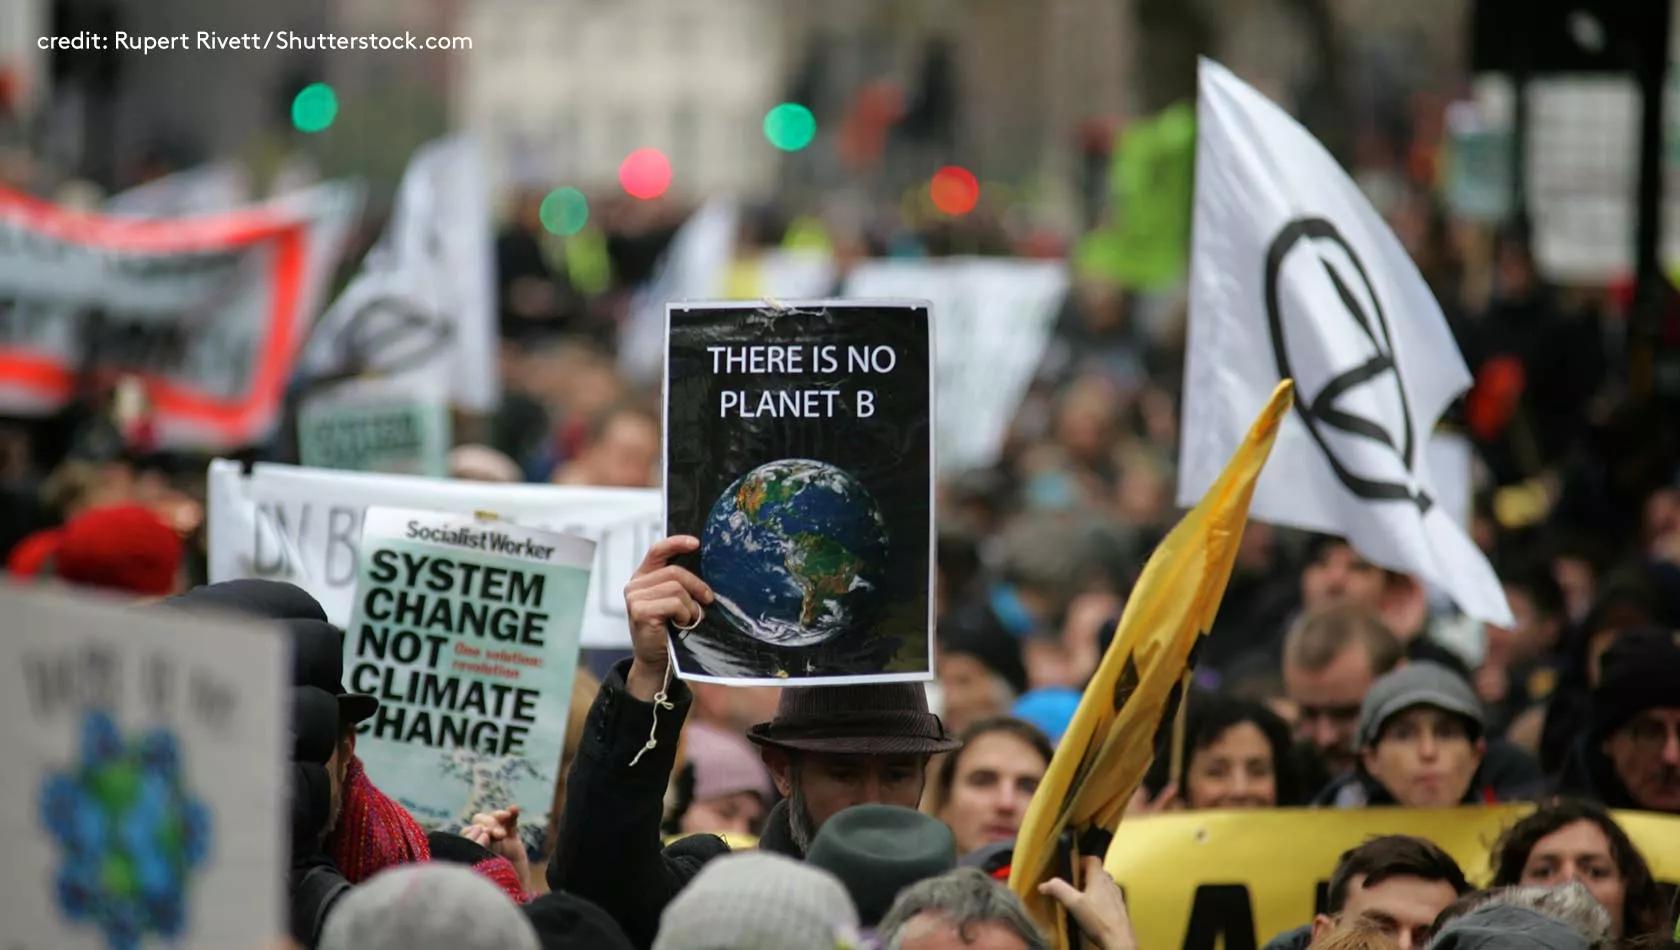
(1236, 879)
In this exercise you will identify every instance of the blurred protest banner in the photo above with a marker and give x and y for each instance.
(421, 312)
(207, 312)
(701, 264)
(374, 427)
(1130, 702)
(797, 449)
(466, 629)
(144, 776)
(1296, 276)
(779, 274)
(304, 525)
(207, 189)
(994, 321)
(1203, 879)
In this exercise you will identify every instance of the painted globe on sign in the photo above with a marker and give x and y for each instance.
(796, 551)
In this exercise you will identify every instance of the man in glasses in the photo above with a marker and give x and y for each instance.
(1330, 659)
(1631, 759)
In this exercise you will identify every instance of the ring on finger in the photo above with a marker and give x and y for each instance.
(697, 618)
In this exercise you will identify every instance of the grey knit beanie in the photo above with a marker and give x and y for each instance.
(759, 901)
(431, 906)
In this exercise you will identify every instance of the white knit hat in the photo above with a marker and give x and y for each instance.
(759, 901)
(432, 906)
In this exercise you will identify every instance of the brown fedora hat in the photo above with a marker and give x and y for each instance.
(872, 719)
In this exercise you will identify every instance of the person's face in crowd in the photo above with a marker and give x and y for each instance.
(1662, 524)
(1578, 581)
(1579, 852)
(1144, 494)
(1402, 907)
(1514, 271)
(1425, 757)
(992, 785)
(818, 785)
(1340, 576)
(932, 930)
(970, 691)
(1235, 770)
(1085, 424)
(1528, 638)
(741, 813)
(1327, 703)
(1646, 754)
(626, 453)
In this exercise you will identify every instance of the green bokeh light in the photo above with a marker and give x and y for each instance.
(314, 108)
(564, 211)
(790, 126)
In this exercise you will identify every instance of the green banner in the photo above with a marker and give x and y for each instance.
(392, 436)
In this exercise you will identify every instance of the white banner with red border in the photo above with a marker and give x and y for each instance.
(207, 312)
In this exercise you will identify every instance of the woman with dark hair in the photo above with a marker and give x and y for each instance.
(982, 790)
(1570, 839)
(1236, 755)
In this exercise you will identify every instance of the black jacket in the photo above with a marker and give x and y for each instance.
(610, 851)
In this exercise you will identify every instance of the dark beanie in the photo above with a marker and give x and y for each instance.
(270, 600)
(563, 921)
(1640, 671)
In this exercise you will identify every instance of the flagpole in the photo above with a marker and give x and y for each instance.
(1175, 761)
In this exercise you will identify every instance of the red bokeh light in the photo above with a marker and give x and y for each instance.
(954, 190)
(645, 173)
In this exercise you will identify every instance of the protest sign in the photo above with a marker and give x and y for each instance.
(797, 449)
(359, 429)
(1202, 879)
(995, 318)
(144, 776)
(421, 312)
(466, 630)
(304, 525)
(207, 312)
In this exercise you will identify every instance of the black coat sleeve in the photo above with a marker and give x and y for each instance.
(315, 884)
(609, 849)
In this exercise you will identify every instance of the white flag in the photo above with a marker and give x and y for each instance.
(1295, 275)
(422, 309)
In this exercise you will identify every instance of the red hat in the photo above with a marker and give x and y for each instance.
(33, 556)
(121, 547)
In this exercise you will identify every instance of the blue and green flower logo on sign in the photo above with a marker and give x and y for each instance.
(130, 833)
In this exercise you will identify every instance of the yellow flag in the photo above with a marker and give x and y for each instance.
(1107, 748)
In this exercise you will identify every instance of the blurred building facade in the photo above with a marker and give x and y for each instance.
(562, 90)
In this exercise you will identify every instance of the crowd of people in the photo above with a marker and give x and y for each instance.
(887, 813)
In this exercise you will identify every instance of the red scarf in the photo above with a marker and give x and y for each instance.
(373, 831)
